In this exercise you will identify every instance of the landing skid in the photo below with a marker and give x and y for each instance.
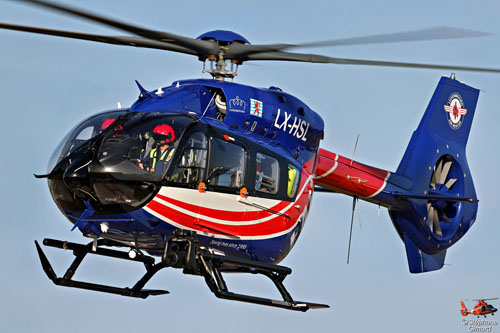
(181, 251)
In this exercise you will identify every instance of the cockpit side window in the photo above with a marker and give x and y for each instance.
(90, 128)
(192, 164)
(267, 174)
(226, 166)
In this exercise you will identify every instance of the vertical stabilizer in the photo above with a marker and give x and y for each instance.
(440, 205)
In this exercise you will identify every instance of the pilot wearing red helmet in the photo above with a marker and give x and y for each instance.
(158, 158)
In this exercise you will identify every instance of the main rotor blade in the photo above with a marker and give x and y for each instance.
(314, 58)
(237, 51)
(116, 40)
(200, 46)
(435, 33)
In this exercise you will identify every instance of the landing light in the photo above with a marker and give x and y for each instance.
(132, 254)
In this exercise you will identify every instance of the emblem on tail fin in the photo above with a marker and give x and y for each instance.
(455, 110)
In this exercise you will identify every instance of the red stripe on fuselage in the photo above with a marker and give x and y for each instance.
(274, 225)
(224, 214)
(250, 225)
(335, 172)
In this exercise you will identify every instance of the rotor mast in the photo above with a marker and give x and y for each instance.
(220, 72)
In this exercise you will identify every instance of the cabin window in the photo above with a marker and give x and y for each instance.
(293, 181)
(226, 166)
(267, 174)
(193, 161)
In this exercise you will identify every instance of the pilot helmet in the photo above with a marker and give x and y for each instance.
(164, 132)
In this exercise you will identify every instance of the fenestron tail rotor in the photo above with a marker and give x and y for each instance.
(441, 182)
(221, 46)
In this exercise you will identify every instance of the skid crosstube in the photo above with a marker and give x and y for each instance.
(181, 251)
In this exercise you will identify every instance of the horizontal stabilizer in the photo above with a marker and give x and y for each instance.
(419, 261)
(433, 197)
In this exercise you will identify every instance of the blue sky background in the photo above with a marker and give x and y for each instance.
(48, 84)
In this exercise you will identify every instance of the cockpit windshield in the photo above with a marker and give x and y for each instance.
(142, 147)
(81, 133)
(118, 158)
(133, 146)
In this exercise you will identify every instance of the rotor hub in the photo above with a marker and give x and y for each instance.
(223, 36)
(219, 62)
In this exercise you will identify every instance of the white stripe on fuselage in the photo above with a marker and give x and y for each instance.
(335, 165)
(382, 187)
(180, 194)
(237, 237)
(224, 201)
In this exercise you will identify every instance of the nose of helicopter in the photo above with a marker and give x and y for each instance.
(75, 176)
(105, 166)
(110, 183)
(69, 182)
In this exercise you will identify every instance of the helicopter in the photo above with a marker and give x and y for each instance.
(240, 171)
(481, 309)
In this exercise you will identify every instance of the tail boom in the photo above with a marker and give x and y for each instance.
(340, 174)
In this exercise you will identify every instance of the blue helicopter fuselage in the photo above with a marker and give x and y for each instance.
(278, 134)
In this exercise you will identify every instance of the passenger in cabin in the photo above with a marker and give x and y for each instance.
(291, 188)
(159, 157)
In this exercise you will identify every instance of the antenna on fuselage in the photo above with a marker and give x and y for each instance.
(354, 199)
(354, 202)
(354, 151)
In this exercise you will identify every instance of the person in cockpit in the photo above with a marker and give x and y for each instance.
(159, 157)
